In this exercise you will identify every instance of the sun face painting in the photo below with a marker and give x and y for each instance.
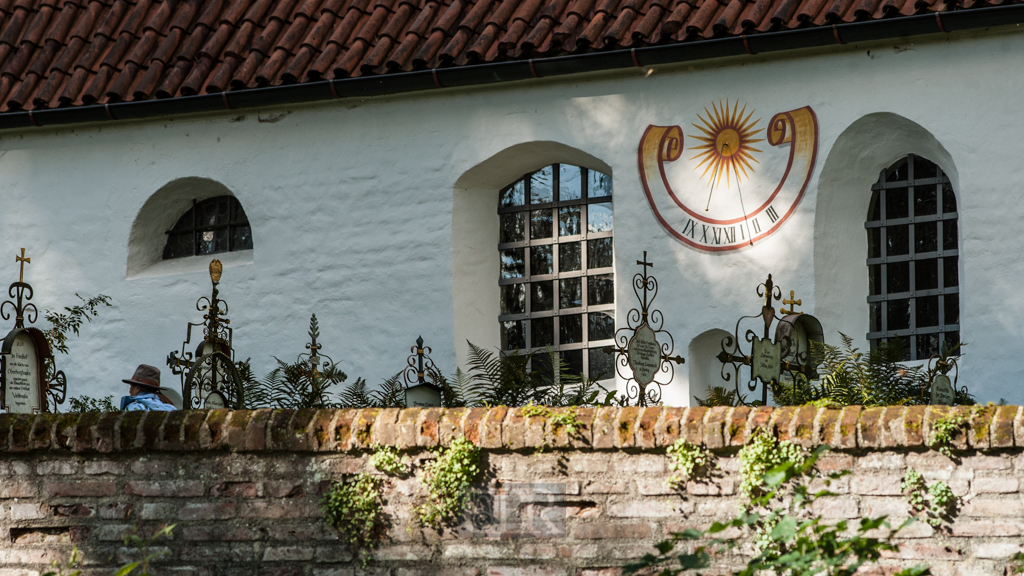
(730, 191)
(727, 142)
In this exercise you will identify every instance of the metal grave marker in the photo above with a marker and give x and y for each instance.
(420, 392)
(29, 380)
(649, 360)
(209, 377)
(768, 359)
(942, 391)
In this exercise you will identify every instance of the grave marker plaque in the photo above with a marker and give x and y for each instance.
(942, 391)
(27, 371)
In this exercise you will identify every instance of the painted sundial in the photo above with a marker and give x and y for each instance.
(730, 180)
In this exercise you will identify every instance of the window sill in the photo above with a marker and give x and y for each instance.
(193, 264)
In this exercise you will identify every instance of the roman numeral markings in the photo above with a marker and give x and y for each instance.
(772, 214)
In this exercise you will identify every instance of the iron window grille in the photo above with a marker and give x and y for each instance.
(211, 226)
(556, 278)
(913, 258)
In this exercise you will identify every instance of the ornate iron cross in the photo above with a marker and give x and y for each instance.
(641, 359)
(765, 360)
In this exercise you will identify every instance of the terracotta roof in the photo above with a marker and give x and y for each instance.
(61, 53)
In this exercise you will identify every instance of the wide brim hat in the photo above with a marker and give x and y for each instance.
(145, 376)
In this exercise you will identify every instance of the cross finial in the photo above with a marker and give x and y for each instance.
(644, 263)
(794, 303)
(23, 260)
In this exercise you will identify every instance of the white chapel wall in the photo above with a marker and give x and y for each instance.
(357, 208)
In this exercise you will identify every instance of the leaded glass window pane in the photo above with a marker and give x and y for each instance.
(556, 249)
(211, 226)
(913, 258)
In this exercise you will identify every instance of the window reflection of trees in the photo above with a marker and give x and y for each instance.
(556, 279)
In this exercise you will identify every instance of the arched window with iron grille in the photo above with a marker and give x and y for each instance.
(210, 226)
(913, 258)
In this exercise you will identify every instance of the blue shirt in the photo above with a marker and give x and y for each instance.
(145, 401)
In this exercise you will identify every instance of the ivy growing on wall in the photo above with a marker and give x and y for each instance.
(447, 480)
(762, 453)
(934, 503)
(688, 461)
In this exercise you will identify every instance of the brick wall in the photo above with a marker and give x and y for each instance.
(243, 487)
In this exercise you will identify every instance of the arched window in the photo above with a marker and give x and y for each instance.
(211, 226)
(557, 268)
(913, 258)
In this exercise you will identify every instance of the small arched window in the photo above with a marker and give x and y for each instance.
(211, 226)
(557, 271)
(913, 258)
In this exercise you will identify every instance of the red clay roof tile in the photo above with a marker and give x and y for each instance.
(71, 52)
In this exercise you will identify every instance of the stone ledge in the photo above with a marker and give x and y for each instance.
(606, 428)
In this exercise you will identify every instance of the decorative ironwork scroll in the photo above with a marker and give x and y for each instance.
(209, 377)
(29, 379)
(767, 359)
(940, 390)
(418, 390)
(641, 359)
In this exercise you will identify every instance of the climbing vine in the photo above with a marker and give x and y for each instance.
(447, 480)
(943, 431)
(389, 461)
(934, 503)
(688, 460)
(762, 453)
(354, 509)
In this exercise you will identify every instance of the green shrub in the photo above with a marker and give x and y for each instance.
(688, 461)
(447, 480)
(761, 454)
(355, 510)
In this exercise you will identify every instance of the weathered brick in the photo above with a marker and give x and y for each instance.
(362, 428)
(605, 423)
(652, 487)
(712, 487)
(471, 424)
(514, 429)
(645, 432)
(476, 550)
(625, 427)
(235, 489)
(805, 419)
(172, 432)
(301, 439)
(606, 530)
(890, 427)
(160, 511)
(115, 511)
(605, 487)
(273, 509)
(28, 511)
(913, 426)
(998, 550)
(715, 425)
(666, 429)
(1013, 507)
(206, 511)
(760, 419)
(892, 506)
(288, 554)
(737, 425)
(876, 485)
(834, 461)
(74, 511)
(99, 467)
(984, 462)
(21, 431)
(41, 435)
(646, 508)
(980, 430)
(836, 507)
(211, 431)
(449, 426)
(987, 528)
(880, 461)
(868, 434)
(691, 427)
(1002, 427)
(149, 431)
(83, 431)
(782, 422)
(256, 429)
(586, 417)
(164, 488)
(62, 467)
(403, 429)
(996, 485)
(923, 551)
(97, 488)
(525, 571)
(64, 431)
(279, 430)
(428, 434)
(490, 427)
(105, 432)
(846, 428)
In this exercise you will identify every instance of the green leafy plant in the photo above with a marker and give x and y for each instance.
(762, 453)
(799, 543)
(935, 503)
(144, 545)
(71, 320)
(89, 404)
(388, 460)
(688, 460)
(354, 509)
(943, 431)
(1016, 563)
(720, 396)
(447, 479)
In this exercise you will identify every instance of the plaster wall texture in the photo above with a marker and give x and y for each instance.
(379, 215)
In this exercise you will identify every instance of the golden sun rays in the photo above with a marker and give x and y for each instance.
(727, 139)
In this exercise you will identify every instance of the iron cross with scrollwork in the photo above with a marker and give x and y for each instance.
(765, 359)
(641, 359)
